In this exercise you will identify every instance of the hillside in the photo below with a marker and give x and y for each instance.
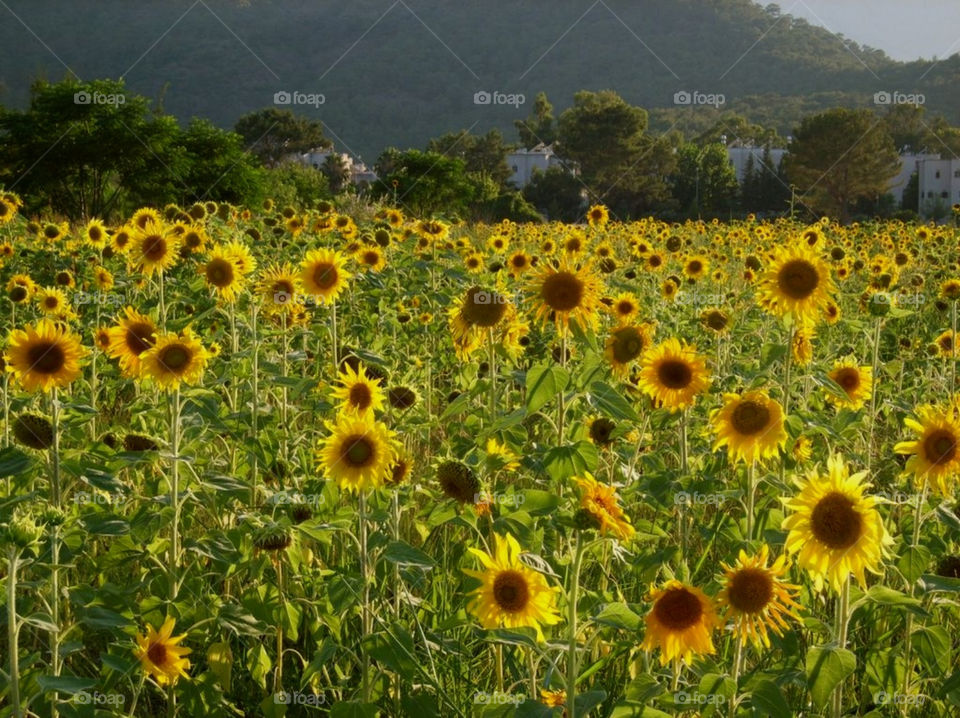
(397, 73)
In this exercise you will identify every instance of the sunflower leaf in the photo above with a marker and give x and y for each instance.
(543, 384)
(827, 667)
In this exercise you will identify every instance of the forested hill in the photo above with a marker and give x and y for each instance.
(397, 72)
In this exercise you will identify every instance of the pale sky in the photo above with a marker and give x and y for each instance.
(904, 29)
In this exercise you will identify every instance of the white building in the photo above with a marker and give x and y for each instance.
(939, 186)
(740, 159)
(359, 172)
(523, 162)
(909, 163)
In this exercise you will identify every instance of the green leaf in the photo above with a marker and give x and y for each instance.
(65, 684)
(891, 597)
(619, 615)
(353, 709)
(827, 666)
(13, 461)
(562, 462)
(767, 698)
(544, 382)
(943, 584)
(403, 554)
(537, 502)
(913, 562)
(258, 663)
(933, 647)
(611, 402)
(643, 689)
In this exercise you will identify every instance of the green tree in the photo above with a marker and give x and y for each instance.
(556, 193)
(272, 134)
(482, 154)
(704, 181)
(427, 183)
(293, 184)
(838, 157)
(336, 171)
(539, 126)
(215, 166)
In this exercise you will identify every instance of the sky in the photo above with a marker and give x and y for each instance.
(904, 29)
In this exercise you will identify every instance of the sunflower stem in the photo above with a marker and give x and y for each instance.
(278, 673)
(572, 669)
(366, 614)
(255, 379)
(55, 544)
(493, 375)
(875, 364)
(908, 629)
(683, 442)
(953, 346)
(163, 303)
(843, 618)
(175, 493)
(13, 630)
(561, 405)
(333, 337)
(751, 491)
(737, 660)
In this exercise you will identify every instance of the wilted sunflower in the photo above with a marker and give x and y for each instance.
(45, 356)
(856, 382)
(673, 374)
(359, 452)
(680, 623)
(175, 358)
(600, 430)
(935, 452)
(834, 528)
(322, 274)
(626, 344)
(604, 504)
(511, 594)
(160, 656)
(154, 247)
(797, 282)
(715, 319)
(133, 334)
(401, 397)
(755, 597)
(565, 294)
(358, 393)
(750, 425)
(458, 481)
(33, 430)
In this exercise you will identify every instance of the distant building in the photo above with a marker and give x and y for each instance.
(739, 157)
(523, 162)
(359, 172)
(909, 163)
(939, 186)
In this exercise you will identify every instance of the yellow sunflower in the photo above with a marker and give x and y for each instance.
(935, 452)
(565, 294)
(322, 274)
(511, 594)
(750, 425)
(222, 273)
(680, 623)
(358, 392)
(133, 334)
(53, 302)
(756, 598)
(95, 234)
(604, 505)
(154, 247)
(797, 282)
(625, 345)
(278, 288)
(175, 358)
(45, 356)
(673, 374)
(856, 382)
(359, 452)
(834, 528)
(625, 307)
(160, 656)
(598, 215)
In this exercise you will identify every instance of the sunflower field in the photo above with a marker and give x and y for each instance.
(339, 461)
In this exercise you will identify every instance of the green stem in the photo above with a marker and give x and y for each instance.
(175, 493)
(561, 410)
(751, 491)
(367, 617)
(278, 674)
(684, 460)
(254, 418)
(12, 631)
(55, 545)
(572, 669)
(908, 633)
(873, 393)
(737, 660)
(493, 375)
(333, 338)
(843, 617)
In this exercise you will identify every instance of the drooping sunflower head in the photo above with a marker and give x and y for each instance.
(458, 481)
(750, 426)
(33, 430)
(600, 430)
(625, 345)
(834, 528)
(565, 294)
(935, 449)
(855, 382)
(715, 320)
(603, 503)
(680, 623)
(673, 374)
(359, 452)
(511, 594)
(175, 359)
(322, 274)
(797, 282)
(44, 356)
(160, 656)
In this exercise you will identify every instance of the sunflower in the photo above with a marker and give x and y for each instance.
(680, 623)
(322, 274)
(626, 344)
(45, 356)
(935, 452)
(598, 216)
(715, 319)
(371, 258)
(154, 247)
(95, 234)
(102, 279)
(473, 262)
(222, 273)
(479, 313)
(755, 597)
(21, 288)
(53, 302)
(518, 263)
(358, 454)
(133, 335)
(673, 374)
(7, 211)
(458, 481)
(600, 430)
(565, 294)
(696, 267)
(625, 307)
(511, 594)
(801, 345)
(855, 381)
(797, 282)
(278, 289)
(501, 456)
(358, 392)
(750, 425)
(834, 528)
(175, 358)
(160, 656)
(604, 505)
